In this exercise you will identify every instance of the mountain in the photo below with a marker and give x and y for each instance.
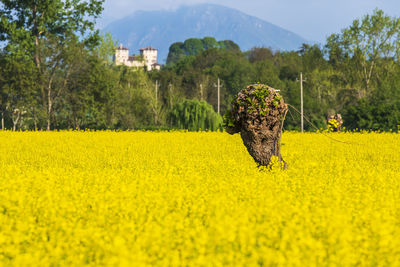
(160, 29)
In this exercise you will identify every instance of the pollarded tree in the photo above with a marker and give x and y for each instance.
(258, 113)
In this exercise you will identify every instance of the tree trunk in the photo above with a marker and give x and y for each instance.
(48, 128)
(262, 141)
(35, 123)
(15, 121)
(21, 123)
(50, 101)
(2, 121)
(76, 124)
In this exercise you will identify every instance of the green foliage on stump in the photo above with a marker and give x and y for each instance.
(256, 101)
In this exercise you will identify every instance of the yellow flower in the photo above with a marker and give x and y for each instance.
(197, 199)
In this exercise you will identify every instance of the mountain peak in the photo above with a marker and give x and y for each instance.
(162, 28)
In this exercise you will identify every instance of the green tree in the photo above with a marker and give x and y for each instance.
(209, 43)
(17, 98)
(106, 48)
(42, 29)
(228, 45)
(136, 102)
(176, 53)
(357, 49)
(193, 46)
(194, 115)
(260, 54)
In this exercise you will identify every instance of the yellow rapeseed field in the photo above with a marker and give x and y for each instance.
(197, 199)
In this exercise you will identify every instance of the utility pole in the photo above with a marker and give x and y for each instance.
(219, 86)
(301, 102)
(156, 104)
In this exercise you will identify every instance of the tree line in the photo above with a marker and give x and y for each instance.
(356, 74)
(56, 72)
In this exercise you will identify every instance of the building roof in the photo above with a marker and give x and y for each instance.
(147, 48)
(122, 48)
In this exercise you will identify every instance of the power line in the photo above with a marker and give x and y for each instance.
(315, 127)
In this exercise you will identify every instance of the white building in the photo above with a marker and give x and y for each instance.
(147, 58)
(149, 55)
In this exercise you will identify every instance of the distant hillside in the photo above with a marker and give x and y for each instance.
(162, 28)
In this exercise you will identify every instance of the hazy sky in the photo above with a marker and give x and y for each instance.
(312, 19)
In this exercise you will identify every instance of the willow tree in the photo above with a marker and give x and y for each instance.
(41, 30)
(194, 115)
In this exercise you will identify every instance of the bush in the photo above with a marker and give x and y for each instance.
(373, 115)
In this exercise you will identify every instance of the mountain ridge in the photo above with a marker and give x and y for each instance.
(161, 28)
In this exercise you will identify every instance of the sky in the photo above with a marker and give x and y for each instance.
(314, 20)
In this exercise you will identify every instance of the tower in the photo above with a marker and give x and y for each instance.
(121, 56)
(150, 57)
